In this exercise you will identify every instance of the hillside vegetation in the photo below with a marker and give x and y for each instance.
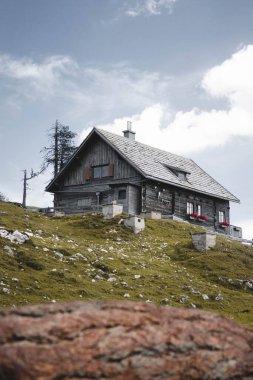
(83, 257)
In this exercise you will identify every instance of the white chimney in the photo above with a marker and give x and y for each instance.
(128, 133)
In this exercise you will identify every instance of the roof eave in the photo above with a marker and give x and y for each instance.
(121, 154)
(232, 199)
(94, 130)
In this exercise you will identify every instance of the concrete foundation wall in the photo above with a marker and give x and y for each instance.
(109, 211)
(135, 223)
(203, 240)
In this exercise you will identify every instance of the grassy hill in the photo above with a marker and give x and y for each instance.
(84, 257)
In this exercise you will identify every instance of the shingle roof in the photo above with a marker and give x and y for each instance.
(158, 165)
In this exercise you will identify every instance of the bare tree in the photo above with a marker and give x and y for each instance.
(25, 184)
(61, 147)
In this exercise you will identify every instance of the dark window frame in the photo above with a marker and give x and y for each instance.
(122, 191)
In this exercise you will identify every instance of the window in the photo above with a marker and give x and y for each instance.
(102, 171)
(189, 208)
(179, 172)
(122, 194)
(199, 209)
(221, 216)
(97, 172)
(105, 171)
(182, 176)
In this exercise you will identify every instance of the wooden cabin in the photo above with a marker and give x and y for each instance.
(107, 167)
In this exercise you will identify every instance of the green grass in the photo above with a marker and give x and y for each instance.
(71, 258)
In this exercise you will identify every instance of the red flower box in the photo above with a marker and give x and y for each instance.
(225, 224)
(202, 217)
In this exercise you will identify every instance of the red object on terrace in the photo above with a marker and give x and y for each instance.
(226, 224)
(203, 217)
(194, 215)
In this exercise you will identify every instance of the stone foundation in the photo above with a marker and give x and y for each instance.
(203, 241)
(111, 210)
(135, 223)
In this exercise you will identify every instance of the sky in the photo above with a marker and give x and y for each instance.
(180, 70)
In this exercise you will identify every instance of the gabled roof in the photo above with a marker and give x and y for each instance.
(158, 165)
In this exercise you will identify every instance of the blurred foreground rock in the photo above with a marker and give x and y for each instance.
(115, 340)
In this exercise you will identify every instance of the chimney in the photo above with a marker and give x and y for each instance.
(128, 133)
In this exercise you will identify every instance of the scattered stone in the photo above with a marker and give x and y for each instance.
(6, 291)
(14, 279)
(54, 270)
(126, 295)
(205, 297)
(79, 256)
(136, 276)
(218, 297)
(249, 284)
(141, 296)
(112, 279)
(58, 254)
(195, 291)
(97, 277)
(45, 249)
(184, 299)
(112, 231)
(9, 251)
(15, 237)
(89, 249)
(124, 284)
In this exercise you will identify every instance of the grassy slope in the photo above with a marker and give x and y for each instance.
(171, 270)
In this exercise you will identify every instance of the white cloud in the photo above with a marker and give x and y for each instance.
(94, 96)
(39, 77)
(150, 7)
(80, 93)
(196, 129)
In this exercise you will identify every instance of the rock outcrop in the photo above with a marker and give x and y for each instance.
(121, 340)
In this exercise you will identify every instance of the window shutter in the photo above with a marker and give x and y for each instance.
(111, 170)
(87, 173)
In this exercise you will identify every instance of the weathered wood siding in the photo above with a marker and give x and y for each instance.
(98, 153)
(157, 198)
(78, 192)
(134, 200)
(170, 200)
